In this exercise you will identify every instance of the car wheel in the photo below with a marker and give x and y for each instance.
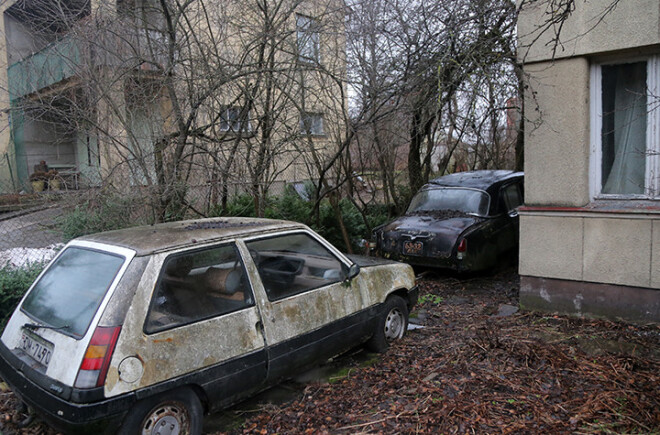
(391, 326)
(175, 412)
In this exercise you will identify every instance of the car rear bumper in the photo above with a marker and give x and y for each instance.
(436, 262)
(99, 417)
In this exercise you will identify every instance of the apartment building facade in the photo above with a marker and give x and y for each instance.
(132, 93)
(590, 228)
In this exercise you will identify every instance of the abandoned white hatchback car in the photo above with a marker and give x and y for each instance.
(146, 329)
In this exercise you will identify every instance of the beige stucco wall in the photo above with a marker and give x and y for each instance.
(632, 23)
(557, 133)
(655, 255)
(322, 95)
(540, 245)
(615, 249)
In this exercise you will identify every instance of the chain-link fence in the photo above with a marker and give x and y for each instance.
(35, 224)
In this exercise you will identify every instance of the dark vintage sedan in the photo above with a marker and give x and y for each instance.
(467, 221)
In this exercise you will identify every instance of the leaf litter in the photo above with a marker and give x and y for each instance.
(470, 370)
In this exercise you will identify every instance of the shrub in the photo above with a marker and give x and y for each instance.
(14, 282)
(291, 206)
(108, 212)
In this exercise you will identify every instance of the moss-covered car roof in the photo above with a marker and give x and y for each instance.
(162, 237)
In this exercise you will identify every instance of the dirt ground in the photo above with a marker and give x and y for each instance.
(475, 367)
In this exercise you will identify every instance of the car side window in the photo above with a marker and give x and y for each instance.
(293, 263)
(512, 196)
(198, 285)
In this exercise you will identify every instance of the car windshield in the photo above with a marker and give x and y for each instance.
(451, 198)
(69, 293)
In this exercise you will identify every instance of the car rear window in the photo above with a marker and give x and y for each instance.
(469, 201)
(69, 293)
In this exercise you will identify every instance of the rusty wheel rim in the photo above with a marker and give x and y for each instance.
(394, 324)
(171, 418)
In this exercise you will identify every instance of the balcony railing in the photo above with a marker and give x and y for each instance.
(56, 62)
(129, 48)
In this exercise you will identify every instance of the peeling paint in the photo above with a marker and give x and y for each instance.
(178, 351)
(545, 295)
(577, 302)
(111, 378)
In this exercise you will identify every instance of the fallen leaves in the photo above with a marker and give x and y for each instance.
(471, 372)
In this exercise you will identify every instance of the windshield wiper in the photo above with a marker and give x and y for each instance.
(34, 327)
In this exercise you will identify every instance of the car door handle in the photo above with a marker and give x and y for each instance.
(259, 326)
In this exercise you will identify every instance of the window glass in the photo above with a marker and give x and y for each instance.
(512, 197)
(231, 119)
(450, 198)
(624, 128)
(308, 38)
(311, 123)
(69, 293)
(199, 285)
(293, 263)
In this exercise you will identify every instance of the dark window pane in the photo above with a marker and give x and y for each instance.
(624, 128)
(72, 289)
(199, 285)
(294, 263)
(451, 198)
(308, 38)
(512, 197)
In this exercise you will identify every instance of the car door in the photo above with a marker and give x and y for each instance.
(309, 312)
(201, 326)
(510, 199)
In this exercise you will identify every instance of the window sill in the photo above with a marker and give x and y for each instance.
(601, 206)
(233, 134)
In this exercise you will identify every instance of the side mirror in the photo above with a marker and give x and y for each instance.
(352, 272)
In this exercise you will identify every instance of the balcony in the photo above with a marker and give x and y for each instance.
(56, 62)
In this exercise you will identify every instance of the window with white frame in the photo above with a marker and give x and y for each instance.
(625, 155)
(233, 119)
(307, 32)
(312, 124)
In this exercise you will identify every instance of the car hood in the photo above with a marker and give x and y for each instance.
(449, 223)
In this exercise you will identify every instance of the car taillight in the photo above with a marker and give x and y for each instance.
(95, 364)
(461, 249)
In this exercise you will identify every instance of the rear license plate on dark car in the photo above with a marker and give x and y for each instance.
(413, 248)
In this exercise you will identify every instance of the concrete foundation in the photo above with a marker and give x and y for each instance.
(634, 304)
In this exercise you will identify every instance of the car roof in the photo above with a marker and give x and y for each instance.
(149, 239)
(475, 179)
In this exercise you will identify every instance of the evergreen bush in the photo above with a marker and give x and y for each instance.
(14, 282)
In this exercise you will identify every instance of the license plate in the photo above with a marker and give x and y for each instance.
(38, 348)
(413, 248)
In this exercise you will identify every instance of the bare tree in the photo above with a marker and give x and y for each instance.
(179, 91)
(439, 75)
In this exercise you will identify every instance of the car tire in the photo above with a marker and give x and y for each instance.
(178, 411)
(392, 325)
